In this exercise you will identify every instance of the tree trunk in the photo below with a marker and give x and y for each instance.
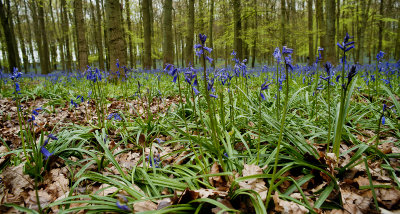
(65, 26)
(253, 61)
(210, 33)
(380, 26)
(80, 36)
(116, 42)
(99, 40)
(147, 34)
(321, 25)
(283, 22)
(361, 29)
(5, 16)
(330, 31)
(310, 32)
(22, 44)
(237, 29)
(190, 34)
(45, 65)
(168, 42)
(397, 50)
(129, 33)
(30, 38)
(54, 36)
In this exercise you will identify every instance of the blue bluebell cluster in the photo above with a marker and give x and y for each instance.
(156, 161)
(43, 150)
(202, 47)
(122, 203)
(114, 116)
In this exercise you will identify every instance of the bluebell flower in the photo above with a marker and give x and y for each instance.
(277, 55)
(43, 149)
(121, 204)
(202, 47)
(379, 56)
(117, 64)
(159, 140)
(114, 116)
(196, 92)
(212, 95)
(74, 103)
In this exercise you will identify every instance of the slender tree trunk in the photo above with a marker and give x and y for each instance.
(116, 40)
(168, 42)
(397, 48)
(5, 16)
(253, 61)
(237, 29)
(330, 31)
(80, 36)
(22, 44)
(54, 36)
(99, 40)
(283, 22)
(129, 32)
(321, 25)
(42, 27)
(310, 32)
(337, 25)
(65, 32)
(30, 38)
(380, 26)
(147, 34)
(210, 33)
(190, 34)
(364, 20)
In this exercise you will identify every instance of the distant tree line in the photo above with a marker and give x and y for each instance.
(47, 35)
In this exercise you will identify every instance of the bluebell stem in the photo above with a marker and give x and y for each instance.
(345, 47)
(288, 52)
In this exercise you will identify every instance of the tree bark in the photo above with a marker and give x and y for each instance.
(5, 16)
(168, 42)
(129, 33)
(397, 49)
(237, 29)
(310, 32)
(116, 42)
(361, 29)
(253, 61)
(380, 26)
(330, 31)
(30, 38)
(65, 26)
(22, 44)
(190, 34)
(321, 25)
(147, 26)
(80, 36)
(283, 22)
(45, 65)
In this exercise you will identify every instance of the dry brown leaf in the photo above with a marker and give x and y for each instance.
(388, 197)
(286, 207)
(16, 183)
(107, 189)
(44, 198)
(256, 184)
(216, 181)
(354, 203)
(59, 184)
(144, 206)
(205, 193)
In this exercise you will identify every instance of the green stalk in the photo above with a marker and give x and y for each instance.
(210, 112)
(329, 115)
(278, 98)
(339, 125)
(271, 184)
